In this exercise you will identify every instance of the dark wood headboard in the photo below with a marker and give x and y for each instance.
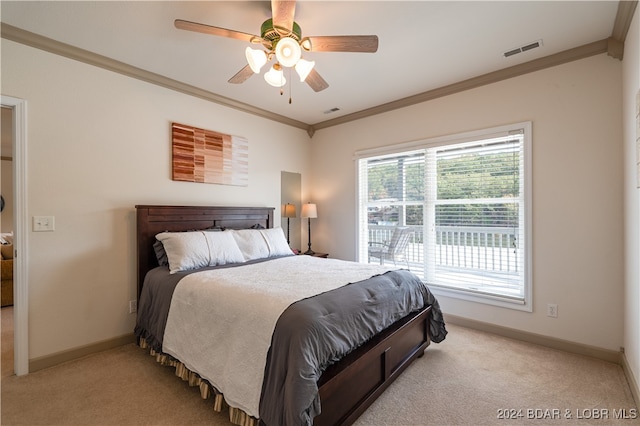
(151, 220)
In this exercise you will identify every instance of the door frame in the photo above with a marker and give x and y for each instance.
(21, 229)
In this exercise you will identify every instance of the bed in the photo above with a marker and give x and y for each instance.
(343, 387)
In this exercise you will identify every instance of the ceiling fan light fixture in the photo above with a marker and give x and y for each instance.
(288, 51)
(305, 43)
(281, 36)
(275, 76)
(256, 58)
(304, 67)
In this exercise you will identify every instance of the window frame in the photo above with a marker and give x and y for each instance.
(524, 304)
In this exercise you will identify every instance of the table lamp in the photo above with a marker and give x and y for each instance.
(309, 211)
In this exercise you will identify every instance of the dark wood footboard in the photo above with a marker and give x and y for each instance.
(349, 387)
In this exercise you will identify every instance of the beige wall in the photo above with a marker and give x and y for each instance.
(98, 144)
(631, 89)
(577, 199)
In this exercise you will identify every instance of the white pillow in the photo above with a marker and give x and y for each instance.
(261, 243)
(197, 249)
(276, 241)
(251, 243)
(224, 248)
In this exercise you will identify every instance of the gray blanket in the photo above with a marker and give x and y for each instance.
(316, 332)
(310, 335)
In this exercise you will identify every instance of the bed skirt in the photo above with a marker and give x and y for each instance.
(236, 415)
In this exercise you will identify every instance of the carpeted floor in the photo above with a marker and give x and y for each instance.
(469, 379)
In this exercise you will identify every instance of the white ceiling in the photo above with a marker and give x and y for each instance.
(423, 45)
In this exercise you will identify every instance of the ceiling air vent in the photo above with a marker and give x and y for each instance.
(524, 48)
(334, 109)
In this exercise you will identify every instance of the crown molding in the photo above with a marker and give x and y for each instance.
(613, 46)
(624, 16)
(28, 38)
(580, 52)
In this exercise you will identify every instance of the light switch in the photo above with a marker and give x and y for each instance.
(43, 223)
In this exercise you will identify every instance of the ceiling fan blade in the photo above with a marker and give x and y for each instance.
(217, 31)
(315, 81)
(347, 43)
(282, 12)
(242, 75)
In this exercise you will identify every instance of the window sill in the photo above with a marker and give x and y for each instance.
(487, 299)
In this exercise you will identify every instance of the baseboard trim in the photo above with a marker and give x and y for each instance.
(47, 361)
(555, 343)
(538, 339)
(633, 384)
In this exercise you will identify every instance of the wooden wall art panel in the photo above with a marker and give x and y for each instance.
(206, 156)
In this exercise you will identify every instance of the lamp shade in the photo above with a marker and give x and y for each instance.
(256, 58)
(304, 67)
(289, 210)
(288, 51)
(309, 211)
(275, 76)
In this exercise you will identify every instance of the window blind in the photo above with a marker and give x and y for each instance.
(466, 204)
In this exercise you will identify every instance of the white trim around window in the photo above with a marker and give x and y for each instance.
(447, 239)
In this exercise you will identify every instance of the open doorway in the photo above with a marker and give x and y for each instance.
(6, 240)
(19, 226)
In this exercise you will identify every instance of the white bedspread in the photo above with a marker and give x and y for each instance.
(221, 321)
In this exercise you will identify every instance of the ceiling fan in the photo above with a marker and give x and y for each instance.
(283, 41)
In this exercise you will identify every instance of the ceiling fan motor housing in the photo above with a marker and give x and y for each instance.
(269, 32)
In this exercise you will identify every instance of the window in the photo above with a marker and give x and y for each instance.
(466, 200)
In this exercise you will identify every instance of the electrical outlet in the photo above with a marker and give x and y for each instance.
(43, 223)
(552, 310)
(133, 306)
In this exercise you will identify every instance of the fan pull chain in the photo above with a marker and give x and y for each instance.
(281, 84)
(290, 86)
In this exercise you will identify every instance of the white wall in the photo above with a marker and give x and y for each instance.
(98, 144)
(577, 189)
(631, 89)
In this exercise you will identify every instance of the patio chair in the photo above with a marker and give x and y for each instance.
(393, 249)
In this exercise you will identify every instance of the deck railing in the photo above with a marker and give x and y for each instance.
(480, 248)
